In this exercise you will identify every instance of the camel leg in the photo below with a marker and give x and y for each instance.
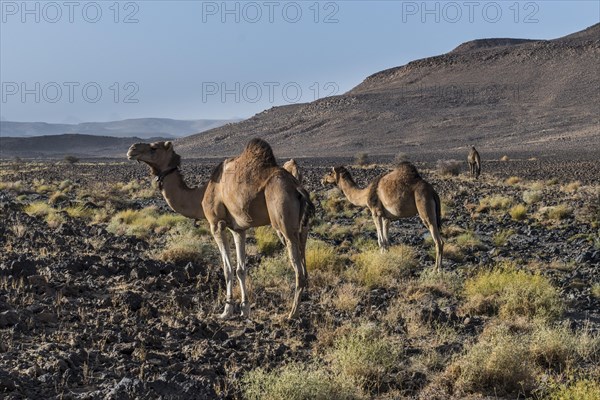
(280, 236)
(427, 211)
(385, 230)
(239, 237)
(378, 228)
(295, 255)
(218, 232)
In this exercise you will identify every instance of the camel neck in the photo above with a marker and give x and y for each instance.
(353, 193)
(182, 199)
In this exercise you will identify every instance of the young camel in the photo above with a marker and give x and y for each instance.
(164, 163)
(398, 194)
(474, 163)
(251, 190)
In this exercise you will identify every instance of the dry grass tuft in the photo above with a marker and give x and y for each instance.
(512, 293)
(513, 180)
(373, 268)
(518, 212)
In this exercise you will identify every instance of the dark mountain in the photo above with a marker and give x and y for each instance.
(58, 146)
(499, 94)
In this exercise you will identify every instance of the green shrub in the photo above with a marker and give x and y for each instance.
(501, 238)
(374, 268)
(321, 256)
(274, 271)
(581, 389)
(512, 293)
(267, 240)
(364, 355)
(518, 212)
(532, 196)
(498, 364)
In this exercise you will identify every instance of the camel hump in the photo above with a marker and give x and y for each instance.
(407, 171)
(259, 150)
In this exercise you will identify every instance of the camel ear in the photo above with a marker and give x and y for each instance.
(168, 145)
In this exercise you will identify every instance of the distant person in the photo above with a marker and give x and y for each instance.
(474, 163)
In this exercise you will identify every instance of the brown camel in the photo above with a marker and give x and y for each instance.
(474, 163)
(164, 163)
(291, 166)
(398, 194)
(248, 191)
(239, 198)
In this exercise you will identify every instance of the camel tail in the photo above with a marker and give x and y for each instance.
(307, 208)
(438, 209)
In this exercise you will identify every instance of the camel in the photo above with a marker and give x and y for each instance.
(292, 167)
(164, 164)
(247, 191)
(474, 163)
(398, 194)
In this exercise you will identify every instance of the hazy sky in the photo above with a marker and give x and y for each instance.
(71, 61)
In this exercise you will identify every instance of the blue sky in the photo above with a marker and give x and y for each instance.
(94, 61)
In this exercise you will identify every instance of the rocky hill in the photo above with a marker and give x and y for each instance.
(504, 95)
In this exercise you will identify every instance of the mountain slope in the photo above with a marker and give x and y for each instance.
(500, 94)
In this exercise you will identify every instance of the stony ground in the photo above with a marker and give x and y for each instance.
(88, 313)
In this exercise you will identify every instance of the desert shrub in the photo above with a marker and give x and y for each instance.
(559, 347)
(512, 293)
(498, 364)
(448, 167)
(513, 180)
(518, 212)
(361, 159)
(443, 282)
(571, 187)
(57, 197)
(321, 256)
(532, 196)
(468, 240)
(596, 290)
(80, 212)
(494, 203)
(347, 297)
(297, 382)
(559, 212)
(274, 271)
(39, 209)
(364, 355)
(267, 241)
(142, 223)
(504, 158)
(186, 246)
(580, 389)
(71, 160)
(15, 186)
(501, 238)
(54, 219)
(374, 268)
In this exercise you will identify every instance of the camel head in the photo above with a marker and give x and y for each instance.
(333, 176)
(160, 156)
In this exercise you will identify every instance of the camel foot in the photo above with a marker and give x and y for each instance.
(245, 306)
(227, 312)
